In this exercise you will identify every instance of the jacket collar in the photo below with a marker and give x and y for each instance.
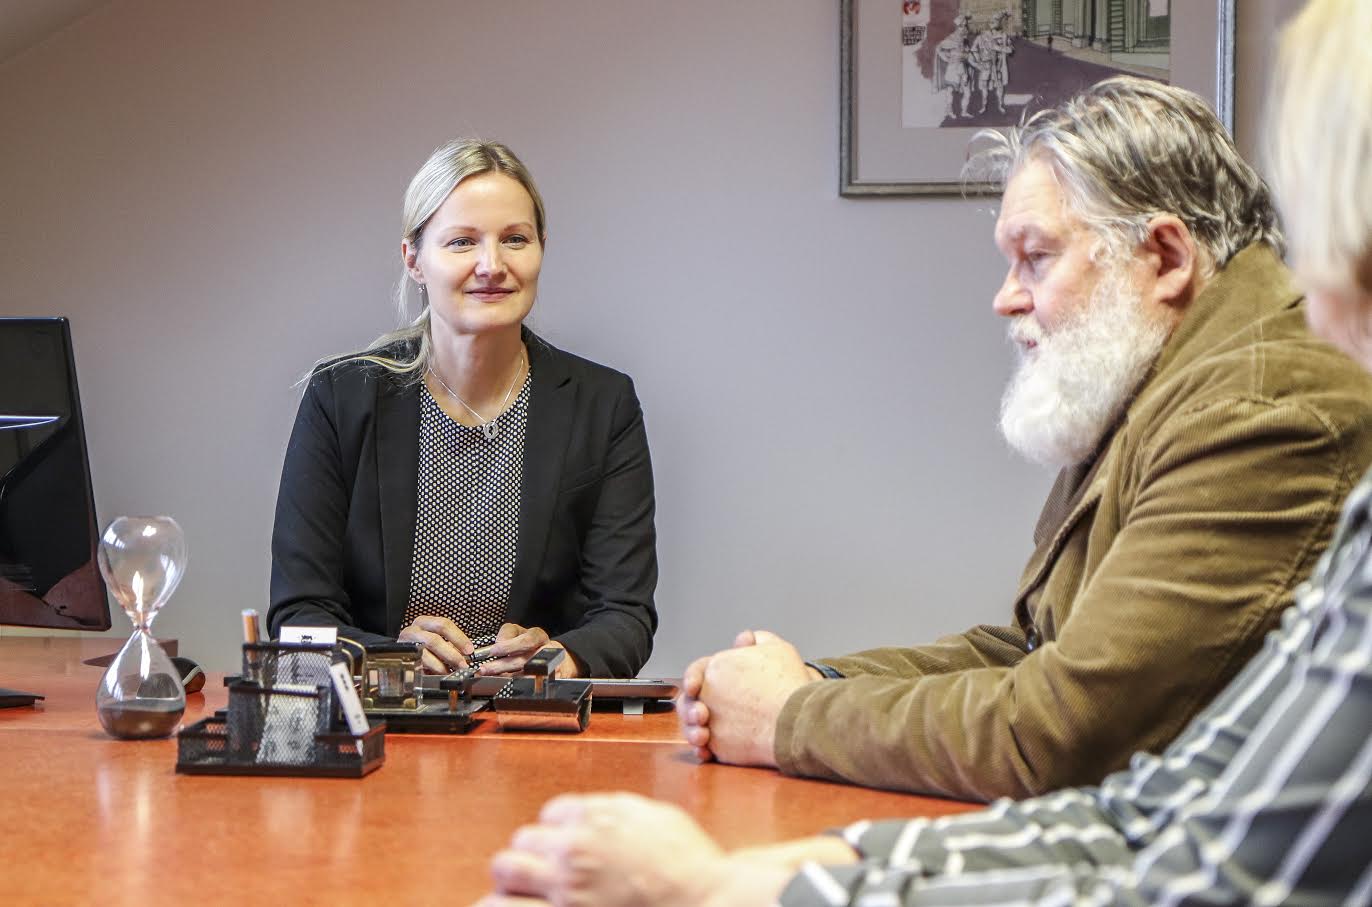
(1252, 286)
(397, 466)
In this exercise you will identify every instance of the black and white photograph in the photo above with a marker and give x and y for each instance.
(989, 62)
(920, 77)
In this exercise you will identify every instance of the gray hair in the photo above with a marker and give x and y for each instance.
(448, 166)
(1322, 89)
(1127, 149)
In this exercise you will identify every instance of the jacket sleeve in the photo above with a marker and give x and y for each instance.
(307, 584)
(981, 647)
(1233, 503)
(1039, 849)
(1266, 797)
(619, 556)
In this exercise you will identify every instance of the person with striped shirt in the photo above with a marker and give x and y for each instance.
(1266, 796)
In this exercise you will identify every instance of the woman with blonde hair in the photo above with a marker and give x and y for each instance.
(461, 483)
(1264, 798)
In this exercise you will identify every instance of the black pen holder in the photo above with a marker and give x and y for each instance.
(282, 719)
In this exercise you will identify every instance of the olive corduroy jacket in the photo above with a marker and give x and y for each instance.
(1157, 569)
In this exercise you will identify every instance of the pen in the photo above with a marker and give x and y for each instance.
(250, 633)
(251, 657)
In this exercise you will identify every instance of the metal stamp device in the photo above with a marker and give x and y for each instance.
(541, 702)
(392, 690)
(390, 676)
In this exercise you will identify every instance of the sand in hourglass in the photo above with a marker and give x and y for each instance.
(140, 721)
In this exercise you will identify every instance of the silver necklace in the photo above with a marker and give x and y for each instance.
(490, 429)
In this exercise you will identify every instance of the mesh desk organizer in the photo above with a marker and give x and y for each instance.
(283, 719)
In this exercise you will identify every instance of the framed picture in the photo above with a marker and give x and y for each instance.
(919, 78)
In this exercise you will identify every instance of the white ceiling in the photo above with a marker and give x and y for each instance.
(24, 23)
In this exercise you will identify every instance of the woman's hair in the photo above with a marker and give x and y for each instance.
(448, 166)
(1127, 149)
(1319, 142)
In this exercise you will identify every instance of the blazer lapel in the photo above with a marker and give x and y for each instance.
(552, 400)
(1065, 492)
(1075, 492)
(397, 463)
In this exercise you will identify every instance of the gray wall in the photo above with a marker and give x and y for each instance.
(211, 192)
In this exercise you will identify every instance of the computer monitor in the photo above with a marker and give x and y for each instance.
(48, 536)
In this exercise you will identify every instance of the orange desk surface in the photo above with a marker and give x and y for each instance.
(86, 819)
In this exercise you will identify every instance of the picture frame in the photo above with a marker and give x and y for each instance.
(887, 80)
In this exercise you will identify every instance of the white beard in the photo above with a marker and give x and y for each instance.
(1074, 384)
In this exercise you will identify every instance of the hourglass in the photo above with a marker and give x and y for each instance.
(142, 559)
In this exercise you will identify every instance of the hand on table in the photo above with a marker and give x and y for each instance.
(693, 714)
(446, 647)
(730, 701)
(623, 850)
(514, 645)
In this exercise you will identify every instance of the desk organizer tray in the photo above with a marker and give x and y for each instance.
(203, 749)
(429, 718)
(282, 719)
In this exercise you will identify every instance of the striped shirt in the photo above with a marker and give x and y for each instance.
(1265, 798)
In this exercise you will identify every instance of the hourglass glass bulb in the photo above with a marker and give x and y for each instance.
(142, 560)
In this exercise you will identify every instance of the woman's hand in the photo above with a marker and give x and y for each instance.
(446, 647)
(514, 645)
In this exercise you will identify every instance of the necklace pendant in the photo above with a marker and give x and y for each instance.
(490, 430)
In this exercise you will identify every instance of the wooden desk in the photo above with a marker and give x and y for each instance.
(89, 819)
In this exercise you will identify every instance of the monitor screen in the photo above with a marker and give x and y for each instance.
(48, 535)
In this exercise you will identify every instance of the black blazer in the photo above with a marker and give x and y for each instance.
(586, 562)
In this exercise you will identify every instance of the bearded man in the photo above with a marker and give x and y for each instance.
(1206, 441)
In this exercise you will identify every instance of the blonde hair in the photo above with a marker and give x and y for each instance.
(1127, 149)
(1319, 142)
(445, 169)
